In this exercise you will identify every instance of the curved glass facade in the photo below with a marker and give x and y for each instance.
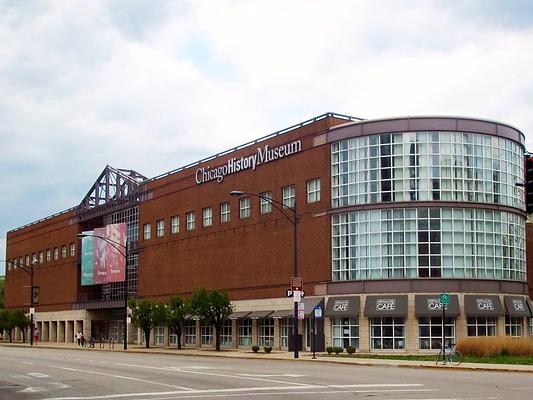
(428, 243)
(410, 166)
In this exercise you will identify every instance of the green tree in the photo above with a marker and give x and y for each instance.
(21, 321)
(6, 322)
(146, 314)
(177, 309)
(2, 283)
(213, 307)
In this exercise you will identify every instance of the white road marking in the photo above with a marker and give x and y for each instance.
(57, 385)
(179, 369)
(370, 385)
(38, 375)
(120, 377)
(26, 362)
(272, 376)
(32, 389)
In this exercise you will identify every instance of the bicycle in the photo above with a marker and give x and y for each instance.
(451, 355)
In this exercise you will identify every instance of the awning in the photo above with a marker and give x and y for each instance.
(346, 306)
(516, 306)
(430, 306)
(192, 317)
(310, 303)
(239, 314)
(259, 314)
(282, 314)
(384, 306)
(530, 303)
(483, 306)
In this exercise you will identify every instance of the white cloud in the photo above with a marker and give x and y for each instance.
(152, 86)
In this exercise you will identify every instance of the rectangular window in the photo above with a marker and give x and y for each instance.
(159, 335)
(147, 231)
(530, 326)
(174, 224)
(160, 228)
(28, 257)
(56, 254)
(41, 257)
(244, 207)
(481, 326)
(225, 212)
(206, 334)
(387, 333)
(265, 205)
(172, 337)
(189, 330)
(345, 332)
(72, 249)
(191, 220)
(513, 326)
(430, 332)
(64, 251)
(289, 196)
(285, 330)
(48, 254)
(21, 261)
(207, 216)
(313, 190)
(225, 334)
(244, 332)
(266, 332)
(33, 258)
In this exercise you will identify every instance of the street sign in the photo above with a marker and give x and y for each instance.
(290, 293)
(296, 283)
(318, 312)
(444, 298)
(301, 311)
(297, 296)
(35, 294)
(32, 310)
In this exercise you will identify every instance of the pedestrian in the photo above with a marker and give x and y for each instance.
(82, 339)
(36, 335)
(78, 337)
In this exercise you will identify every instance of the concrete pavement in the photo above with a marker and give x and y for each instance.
(281, 355)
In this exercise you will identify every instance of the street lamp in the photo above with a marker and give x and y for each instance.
(29, 270)
(124, 254)
(294, 221)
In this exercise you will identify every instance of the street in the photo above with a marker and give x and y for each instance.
(62, 374)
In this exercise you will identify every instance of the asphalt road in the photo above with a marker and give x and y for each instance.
(57, 374)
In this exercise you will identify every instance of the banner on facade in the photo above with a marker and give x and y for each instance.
(87, 259)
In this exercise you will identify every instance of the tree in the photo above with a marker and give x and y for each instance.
(6, 322)
(2, 283)
(146, 314)
(213, 307)
(20, 320)
(177, 309)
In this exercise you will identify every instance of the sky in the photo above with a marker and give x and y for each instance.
(153, 85)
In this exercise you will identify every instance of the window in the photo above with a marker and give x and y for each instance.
(159, 335)
(172, 337)
(387, 333)
(190, 220)
(206, 334)
(225, 212)
(207, 216)
(481, 326)
(513, 326)
(64, 251)
(41, 257)
(244, 207)
(289, 196)
(266, 331)
(28, 259)
(530, 326)
(189, 329)
(225, 333)
(174, 224)
(285, 329)
(48, 254)
(313, 190)
(160, 228)
(33, 258)
(265, 205)
(345, 332)
(147, 231)
(430, 332)
(72, 249)
(244, 332)
(21, 261)
(56, 254)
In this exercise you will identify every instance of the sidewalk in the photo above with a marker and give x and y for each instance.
(281, 355)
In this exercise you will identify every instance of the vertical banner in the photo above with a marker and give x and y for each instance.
(115, 261)
(100, 254)
(87, 259)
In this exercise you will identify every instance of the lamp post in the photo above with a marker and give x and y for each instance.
(294, 221)
(124, 254)
(29, 270)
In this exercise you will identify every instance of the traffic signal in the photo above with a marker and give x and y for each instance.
(529, 183)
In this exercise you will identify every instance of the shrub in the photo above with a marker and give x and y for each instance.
(496, 346)
(329, 349)
(338, 350)
(350, 349)
(267, 349)
(255, 348)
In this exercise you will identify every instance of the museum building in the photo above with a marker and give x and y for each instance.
(391, 213)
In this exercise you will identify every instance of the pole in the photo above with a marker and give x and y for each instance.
(31, 304)
(313, 338)
(443, 334)
(295, 330)
(126, 297)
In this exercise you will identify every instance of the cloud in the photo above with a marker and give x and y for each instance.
(152, 86)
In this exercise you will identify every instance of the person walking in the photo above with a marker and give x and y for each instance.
(78, 337)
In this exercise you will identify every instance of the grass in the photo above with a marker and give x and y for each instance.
(502, 359)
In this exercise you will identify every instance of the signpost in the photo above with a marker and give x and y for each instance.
(317, 314)
(444, 301)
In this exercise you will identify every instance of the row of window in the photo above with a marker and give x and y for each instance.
(245, 206)
(41, 257)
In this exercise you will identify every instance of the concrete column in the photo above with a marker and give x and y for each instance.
(255, 333)
(139, 336)
(45, 331)
(460, 321)
(198, 335)
(277, 334)
(411, 326)
(234, 331)
(328, 330)
(70, 332)
(61, 331)
(364, 333)
(500, 326)
(53, 331)
(131, 332)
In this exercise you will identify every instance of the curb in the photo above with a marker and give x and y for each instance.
(344, 361)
